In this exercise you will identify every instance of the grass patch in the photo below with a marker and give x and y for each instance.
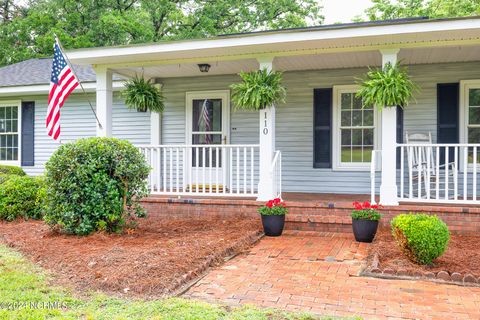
(25, 293)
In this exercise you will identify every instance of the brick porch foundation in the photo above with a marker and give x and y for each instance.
(309, 215)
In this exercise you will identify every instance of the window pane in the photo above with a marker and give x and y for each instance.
(346, 100)
(357, 137)
(356, 118)
(8, 112)
(14, 125)
(207, 115)
(367, 154)
(368, 117)
(8, 126)
(474, 115)
(346, 118)
(346, 154)
(357, 154)
(14, 112)
(368, 137)
(3, 154)
(346, 137)
(357, 143)
(474, 135)
(357, 103)
(474, 97)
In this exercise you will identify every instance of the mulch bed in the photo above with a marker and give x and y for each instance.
(459, 264)
(156, 260)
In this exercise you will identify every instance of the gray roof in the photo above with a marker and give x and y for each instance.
(37, 71)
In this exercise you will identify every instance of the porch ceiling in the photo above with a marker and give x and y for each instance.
(337, 60)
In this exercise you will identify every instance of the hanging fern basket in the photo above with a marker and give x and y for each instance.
(387, 87)
(258, 90)
(142, 95)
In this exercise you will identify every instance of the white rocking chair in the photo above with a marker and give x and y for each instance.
(423, 168)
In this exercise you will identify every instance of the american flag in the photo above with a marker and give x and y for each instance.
(205, 118)
(62, 82)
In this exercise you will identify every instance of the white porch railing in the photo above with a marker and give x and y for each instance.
(435, 173)
(211, 170)
(276, 172)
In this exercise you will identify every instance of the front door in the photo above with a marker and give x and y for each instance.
(207, 129)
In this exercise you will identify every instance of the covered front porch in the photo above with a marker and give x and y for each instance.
(302, 146)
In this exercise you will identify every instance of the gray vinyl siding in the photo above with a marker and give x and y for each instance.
(130, 124)
(294, 121)
(78, 121)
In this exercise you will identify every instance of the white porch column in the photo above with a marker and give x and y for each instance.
(267, 144)
(156, 125)
(104, 101)
(388, 186)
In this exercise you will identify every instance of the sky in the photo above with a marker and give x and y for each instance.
(343, 10)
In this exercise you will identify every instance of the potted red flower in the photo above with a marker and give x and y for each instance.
(365, 219)
(273, 217)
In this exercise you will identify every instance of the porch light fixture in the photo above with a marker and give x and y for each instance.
(204, 67)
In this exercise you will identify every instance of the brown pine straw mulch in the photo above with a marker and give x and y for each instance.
(161, 256)
(462, 256)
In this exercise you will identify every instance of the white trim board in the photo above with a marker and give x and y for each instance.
(18, 103)
(337, 165)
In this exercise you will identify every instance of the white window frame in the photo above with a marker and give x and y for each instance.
(13, 103)
(338, 165)
(465, 86)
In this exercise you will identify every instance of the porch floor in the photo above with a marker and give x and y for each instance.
(319, 274)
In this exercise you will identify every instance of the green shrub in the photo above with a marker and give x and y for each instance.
(41, 198)
(9, 170)
(92, 185)
(422, 237)
(18, 196)
(4, 177)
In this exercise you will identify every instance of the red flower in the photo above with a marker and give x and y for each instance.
(269, 204)
(277, 201)
(357, 205)
(374, 206)
(366, 205)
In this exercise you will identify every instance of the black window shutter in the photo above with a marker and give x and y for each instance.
(322, 127)
(28, 133)
(448, 110)
(399, 132)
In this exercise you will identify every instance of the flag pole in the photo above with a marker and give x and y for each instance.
(79, 82)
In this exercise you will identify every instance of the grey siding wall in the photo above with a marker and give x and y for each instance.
(294, 121)
(130, 124)
(78, 121)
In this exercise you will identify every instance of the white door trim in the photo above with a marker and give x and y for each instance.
(214, 94)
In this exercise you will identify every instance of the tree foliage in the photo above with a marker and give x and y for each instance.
(27, 30)
(395, 9)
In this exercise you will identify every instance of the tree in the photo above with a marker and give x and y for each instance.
(92, 23)
(394, 9)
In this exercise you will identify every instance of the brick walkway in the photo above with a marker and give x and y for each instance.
(319, 274)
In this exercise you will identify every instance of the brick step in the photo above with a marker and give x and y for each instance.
(319, 216)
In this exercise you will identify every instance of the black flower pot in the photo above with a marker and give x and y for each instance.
(273, 225)
(364, 230)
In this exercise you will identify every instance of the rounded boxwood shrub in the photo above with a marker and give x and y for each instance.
(92, 185)
(11, 170)
(422, 237)
(18, 197)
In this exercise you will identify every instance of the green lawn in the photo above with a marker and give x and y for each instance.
(22, 281)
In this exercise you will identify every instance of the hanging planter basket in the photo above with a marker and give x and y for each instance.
(142, 95)
(258, 90)
(387, 87)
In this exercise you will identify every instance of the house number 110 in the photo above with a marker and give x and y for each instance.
(265, 127)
